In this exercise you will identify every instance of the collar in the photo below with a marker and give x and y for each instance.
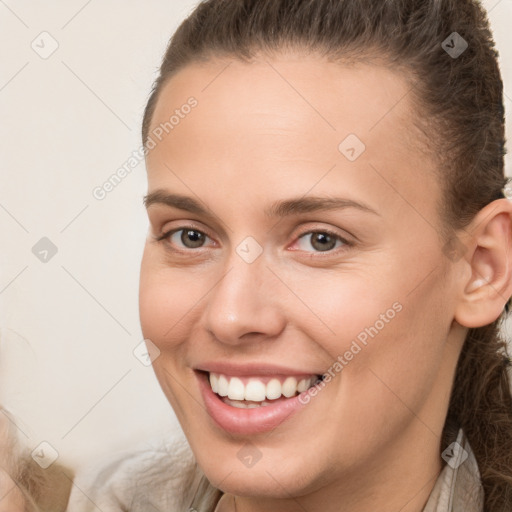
(458, 487)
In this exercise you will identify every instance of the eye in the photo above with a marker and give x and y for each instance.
(189, 237)
(321, 241)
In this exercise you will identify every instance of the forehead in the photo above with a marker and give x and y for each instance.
(290, 82)
(331, 96)
(292, 113)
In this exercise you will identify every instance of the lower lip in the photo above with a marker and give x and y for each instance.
(247, 421)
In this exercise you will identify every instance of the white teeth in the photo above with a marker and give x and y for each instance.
(243, 404)
(236, 389)
(214, 382)
(239, 405)
(273, 389)
(255, 390)
(302, 385)
(222, 386)
(289, 387)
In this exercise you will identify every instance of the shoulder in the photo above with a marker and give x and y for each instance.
(158, 475)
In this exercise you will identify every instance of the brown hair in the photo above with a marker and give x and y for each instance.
(460, 102)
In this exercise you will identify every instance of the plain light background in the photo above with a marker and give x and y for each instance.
(68, 326)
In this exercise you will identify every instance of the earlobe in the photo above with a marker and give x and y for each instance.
(484, 295)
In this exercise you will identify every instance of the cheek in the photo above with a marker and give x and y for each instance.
(397, 367)
(344, 311)
(370, 325)
(154, 300)
(167, 298)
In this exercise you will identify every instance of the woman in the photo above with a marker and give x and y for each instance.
(329, 262)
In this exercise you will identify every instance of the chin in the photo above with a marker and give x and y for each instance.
(277, 474)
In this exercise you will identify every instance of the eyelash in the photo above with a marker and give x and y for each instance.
(318, 254)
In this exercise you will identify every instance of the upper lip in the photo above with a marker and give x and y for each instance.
(251, 369)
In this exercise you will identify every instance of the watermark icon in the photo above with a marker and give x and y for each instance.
(454, 249)
(249, 454)
(45, 45)
(44, 250)
(100, 192)
(146, 352)
(44, 454)
(352, 147)
(454, 45)
(249, 249)
(348, 355)
(454, 455)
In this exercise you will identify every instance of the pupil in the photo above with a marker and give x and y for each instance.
(323, 239)
(192, 236)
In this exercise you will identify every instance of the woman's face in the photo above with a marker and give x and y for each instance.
(295, 251)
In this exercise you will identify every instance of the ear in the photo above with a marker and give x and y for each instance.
(489, 257)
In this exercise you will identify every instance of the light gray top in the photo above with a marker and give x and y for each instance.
(458, 487)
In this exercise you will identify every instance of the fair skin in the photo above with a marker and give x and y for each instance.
(269, 131)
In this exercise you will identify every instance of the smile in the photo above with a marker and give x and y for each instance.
(251, 392)
(252, 404)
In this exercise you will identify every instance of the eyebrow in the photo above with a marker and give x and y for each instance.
(288, 207)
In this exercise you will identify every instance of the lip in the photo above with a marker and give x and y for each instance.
(246, 421)
(252, 369)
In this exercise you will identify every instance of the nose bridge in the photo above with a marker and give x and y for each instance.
(242, 302)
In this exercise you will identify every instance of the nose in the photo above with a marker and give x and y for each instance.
(243, 306)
